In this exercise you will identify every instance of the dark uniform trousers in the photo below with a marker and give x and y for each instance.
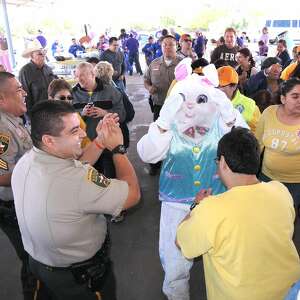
(88, 280)
(9, 225)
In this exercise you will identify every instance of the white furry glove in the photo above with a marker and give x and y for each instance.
(168, 111)
(227, 110)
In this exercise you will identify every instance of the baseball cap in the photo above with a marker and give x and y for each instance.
(185, 37)
(227, 75)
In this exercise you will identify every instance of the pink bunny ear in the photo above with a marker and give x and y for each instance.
(181, 72)
(183, 69)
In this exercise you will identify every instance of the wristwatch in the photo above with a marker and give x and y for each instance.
(120, 149)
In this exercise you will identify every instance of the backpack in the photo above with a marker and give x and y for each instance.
(130, 112)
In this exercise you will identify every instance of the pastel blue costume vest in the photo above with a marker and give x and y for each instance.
(190, 167)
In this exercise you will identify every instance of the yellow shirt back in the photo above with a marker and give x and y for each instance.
(245, 237)
(282, 147)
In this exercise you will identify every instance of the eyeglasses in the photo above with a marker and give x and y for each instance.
(217, 160)
(187, 40)
(66, 98)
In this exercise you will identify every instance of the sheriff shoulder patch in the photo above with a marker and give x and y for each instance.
(3, 165)
(4, 142)
(97, 178)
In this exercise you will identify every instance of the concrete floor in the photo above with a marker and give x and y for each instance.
(135, 241)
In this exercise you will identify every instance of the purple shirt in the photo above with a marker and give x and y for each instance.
(263, 50)
(132, 45)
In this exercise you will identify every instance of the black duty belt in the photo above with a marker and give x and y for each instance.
(91, 272)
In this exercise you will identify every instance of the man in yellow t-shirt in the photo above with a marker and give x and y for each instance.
(244, 234)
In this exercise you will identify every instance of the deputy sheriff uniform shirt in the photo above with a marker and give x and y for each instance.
(161, 75)
(14, 142)
(60, 205)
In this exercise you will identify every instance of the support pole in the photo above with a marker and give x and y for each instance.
(8, 35)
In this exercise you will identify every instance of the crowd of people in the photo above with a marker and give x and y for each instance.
(225, 140)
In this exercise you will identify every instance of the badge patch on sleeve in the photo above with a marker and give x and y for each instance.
(4, 142)
(3, 165)
(97, 178)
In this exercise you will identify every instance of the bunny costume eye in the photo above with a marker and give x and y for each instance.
(202, 99)
(182, 95)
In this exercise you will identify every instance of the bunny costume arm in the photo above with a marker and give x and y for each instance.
(154, 146)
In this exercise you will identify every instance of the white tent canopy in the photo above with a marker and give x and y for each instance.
(4, 3)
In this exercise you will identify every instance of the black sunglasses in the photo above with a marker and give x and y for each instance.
(66, 98)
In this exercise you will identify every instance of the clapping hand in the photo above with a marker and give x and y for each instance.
(109, 132)
(110, 117)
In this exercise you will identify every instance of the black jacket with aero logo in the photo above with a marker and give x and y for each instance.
(225, 53)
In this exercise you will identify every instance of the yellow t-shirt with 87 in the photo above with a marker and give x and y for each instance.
(281, 159)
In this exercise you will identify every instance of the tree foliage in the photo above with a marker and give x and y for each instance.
(206, 16)
(167, 21)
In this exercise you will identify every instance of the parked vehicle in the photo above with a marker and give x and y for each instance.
(284, 29)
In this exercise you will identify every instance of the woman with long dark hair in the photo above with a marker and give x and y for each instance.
(246, 67)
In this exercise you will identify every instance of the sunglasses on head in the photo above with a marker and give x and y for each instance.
(66, 98)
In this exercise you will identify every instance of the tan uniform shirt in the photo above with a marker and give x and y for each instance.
(60, 205)
(14, 142)
(160, 75)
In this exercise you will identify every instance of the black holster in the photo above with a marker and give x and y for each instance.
(92, 271)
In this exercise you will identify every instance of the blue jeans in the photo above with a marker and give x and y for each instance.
(129, 67)
(175, 265)
(293, 292)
